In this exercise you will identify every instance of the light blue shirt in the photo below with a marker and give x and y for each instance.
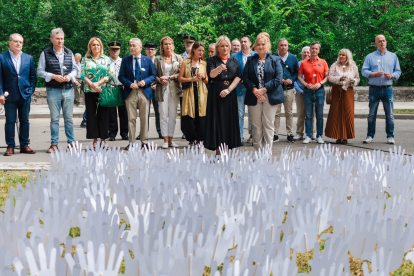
(60, 56)
(298, 86)
(16, 61)
(388, 63)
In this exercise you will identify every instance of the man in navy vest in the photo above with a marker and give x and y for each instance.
(57, 66)
(136, 74)
(17, 83)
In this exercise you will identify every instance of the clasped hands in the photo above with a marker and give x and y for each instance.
(315, 86)
(381, 74)
(343, 78)
(2, 101)
(259, 94)
(287, 82)
(60, 78)
(137, 85)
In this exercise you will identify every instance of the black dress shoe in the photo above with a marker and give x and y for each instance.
(275, 138)
(125, 137)
(111, 138)
(127, 147)
(83, 124)
(138, 137)
(160, 136)
(290, 139)
(183, 137)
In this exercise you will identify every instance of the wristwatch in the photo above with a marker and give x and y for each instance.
(230, 89)
(265, 89)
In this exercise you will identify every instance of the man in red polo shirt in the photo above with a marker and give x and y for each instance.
(315, 70)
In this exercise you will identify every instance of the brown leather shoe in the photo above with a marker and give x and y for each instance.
(52, 148)
(9, 152)
(27, 150)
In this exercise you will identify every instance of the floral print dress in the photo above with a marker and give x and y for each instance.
(95, 70)
(260, 73)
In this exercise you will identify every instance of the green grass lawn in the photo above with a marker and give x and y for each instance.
(403, 111)
(11, 178)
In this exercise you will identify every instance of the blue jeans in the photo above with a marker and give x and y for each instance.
(316, 97)
(58, 99)
(386, 95)
(242, 109)
(12, 108)
(84, 116)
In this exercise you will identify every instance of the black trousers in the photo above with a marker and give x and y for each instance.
(113, 121)
(194, 128)
(98, 119)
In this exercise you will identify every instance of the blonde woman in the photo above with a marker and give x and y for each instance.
(222, 123)
(193, 113)
(168, 92)
(262, 77)
(344, 75)
(95, 72)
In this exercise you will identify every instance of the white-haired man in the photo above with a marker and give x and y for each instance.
(137, 73)
(77, 85)
(57, 66)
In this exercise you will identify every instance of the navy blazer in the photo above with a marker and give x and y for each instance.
(127, 75)
(22, 84)
(273, 78)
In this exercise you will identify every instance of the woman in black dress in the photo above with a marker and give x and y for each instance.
(222, 125)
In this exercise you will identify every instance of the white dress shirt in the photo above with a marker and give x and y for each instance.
(245, 57)
(115, 67)
(285, 57)
(16, 61)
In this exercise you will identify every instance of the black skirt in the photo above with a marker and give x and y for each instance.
(194, 128)
(97, 120)
(222, 124)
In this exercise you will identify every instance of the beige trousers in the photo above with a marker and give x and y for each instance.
(263, 116)
(131, 102)
(77, 92)
(300, 110)
(288, 105)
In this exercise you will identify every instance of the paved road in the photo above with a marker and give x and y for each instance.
(40, 138)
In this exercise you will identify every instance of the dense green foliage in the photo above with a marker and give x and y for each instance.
(335, 23)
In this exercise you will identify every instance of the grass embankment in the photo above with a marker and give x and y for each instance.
(11, 178)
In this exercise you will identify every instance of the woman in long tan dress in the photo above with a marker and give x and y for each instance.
(344, 75)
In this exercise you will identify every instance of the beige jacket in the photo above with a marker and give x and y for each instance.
(188, 106)
(175, 86)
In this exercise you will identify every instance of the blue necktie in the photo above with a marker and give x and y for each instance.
(137, 70)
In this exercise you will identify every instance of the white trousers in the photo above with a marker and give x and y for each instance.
(168, 113)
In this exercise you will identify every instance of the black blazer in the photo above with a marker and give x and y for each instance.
(273, 75)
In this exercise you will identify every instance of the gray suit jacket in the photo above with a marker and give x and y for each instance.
(175, 86)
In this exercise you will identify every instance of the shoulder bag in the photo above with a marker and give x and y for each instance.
(111, 96)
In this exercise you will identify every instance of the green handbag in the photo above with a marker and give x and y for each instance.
(111, 96)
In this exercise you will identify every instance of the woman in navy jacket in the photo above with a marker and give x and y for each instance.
(262, 77)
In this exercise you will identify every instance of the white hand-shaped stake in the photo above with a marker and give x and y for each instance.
(105, 262)
(47, 266)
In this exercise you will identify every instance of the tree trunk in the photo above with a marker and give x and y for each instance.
(154, 7)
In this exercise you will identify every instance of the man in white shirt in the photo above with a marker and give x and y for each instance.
(241, 57)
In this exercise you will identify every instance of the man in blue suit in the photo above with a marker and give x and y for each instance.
(136, 74)
(241, 57)
(18, 79)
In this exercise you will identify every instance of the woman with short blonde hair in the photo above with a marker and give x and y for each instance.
(344, 75)
(222, 115)
(168, 92)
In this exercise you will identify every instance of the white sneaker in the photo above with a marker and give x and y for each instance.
(307, 140)
(165, 146)
(313, 137)
(298, 137)
(368, 140)
(173, 145)
(390, 140)
(320, 140)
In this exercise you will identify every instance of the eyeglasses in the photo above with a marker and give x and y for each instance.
(150, 49)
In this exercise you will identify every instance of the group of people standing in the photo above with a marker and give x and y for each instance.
(212, 93)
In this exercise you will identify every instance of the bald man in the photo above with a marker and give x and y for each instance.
(381, 68)
(211, 49)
